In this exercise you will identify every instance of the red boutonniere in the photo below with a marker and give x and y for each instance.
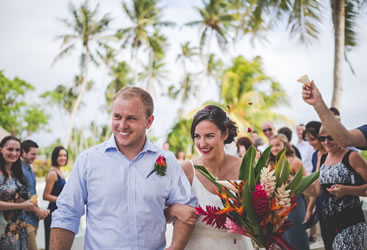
(160, 166)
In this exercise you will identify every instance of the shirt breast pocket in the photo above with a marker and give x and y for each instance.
(156, 189)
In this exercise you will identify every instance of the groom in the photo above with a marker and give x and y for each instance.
(125, 209)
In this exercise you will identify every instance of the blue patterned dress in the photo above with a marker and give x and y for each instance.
(13, 232)
(342, 218)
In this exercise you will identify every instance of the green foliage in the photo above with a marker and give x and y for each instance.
(180, 137)
(247, 171)
(17, 114)
(121, 77)
(364, 154)
(245, 82)
(41, 167)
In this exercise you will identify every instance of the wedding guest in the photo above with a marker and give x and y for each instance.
(180, 155)
(14, 198)
(305, 149)
(318, 158)
(55, 182)
(28, 156)
(165, 146)
(254, 135)
(296, 235)
(243, 144)
(288, 133)
(211, 129)
(343, 178)
(356, 137)
(125, 183)
(268, 129)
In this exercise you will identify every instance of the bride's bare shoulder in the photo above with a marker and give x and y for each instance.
(188, 169)
(234, 160)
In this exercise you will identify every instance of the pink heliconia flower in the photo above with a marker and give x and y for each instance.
(234, 228)
(260, 202)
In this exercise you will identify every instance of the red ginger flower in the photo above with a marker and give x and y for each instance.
(260, 202)
(211, 217)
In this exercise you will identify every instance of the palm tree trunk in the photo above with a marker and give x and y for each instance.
(83, 88)
(136, 67)
(339, 23)
(205, 71)
(149, 88)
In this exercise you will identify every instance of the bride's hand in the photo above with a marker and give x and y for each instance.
(185, 213)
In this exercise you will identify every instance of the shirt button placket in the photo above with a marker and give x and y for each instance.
(131, 196)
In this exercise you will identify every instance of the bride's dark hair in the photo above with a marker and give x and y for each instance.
(216, 115)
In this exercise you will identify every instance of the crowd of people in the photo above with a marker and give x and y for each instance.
(131, 188)
(19, 213)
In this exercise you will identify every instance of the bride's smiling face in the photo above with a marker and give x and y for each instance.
(208, 139)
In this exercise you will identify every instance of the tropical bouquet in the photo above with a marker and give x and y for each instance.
(258, 203)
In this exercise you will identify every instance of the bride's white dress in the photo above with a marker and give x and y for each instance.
(207, 237)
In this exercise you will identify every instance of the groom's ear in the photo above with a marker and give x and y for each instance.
(150, 120)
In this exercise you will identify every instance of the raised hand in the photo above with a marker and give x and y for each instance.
(311, 94)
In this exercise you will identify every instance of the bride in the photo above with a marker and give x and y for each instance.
(211, 129)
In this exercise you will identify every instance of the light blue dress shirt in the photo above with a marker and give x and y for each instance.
(125, 210)
(30, 180)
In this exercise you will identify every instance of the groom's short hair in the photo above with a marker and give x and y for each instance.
(130, 92)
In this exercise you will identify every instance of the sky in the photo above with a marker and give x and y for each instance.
(28, 47)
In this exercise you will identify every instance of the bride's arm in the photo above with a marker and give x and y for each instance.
(184, 213)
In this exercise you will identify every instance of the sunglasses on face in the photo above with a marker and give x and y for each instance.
(267, 129)
(323, 138)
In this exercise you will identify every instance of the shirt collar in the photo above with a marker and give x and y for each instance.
(148, 146)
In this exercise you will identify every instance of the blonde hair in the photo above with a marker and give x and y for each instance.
(288, 148)
(130, 92)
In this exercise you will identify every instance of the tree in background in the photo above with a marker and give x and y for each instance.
(304, 20)
(186, 88)
(154, 72)
(17, 115)
(249, 95)
(86, 28)
(215, 19)
(145, 16)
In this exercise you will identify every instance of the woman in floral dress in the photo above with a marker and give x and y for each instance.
(14, 198)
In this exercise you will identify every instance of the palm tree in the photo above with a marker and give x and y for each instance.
(186, 88)
(144, 15)
(217, 20)
(304, 19)
(214, 69)
(121, 74)
(155, 71)
(87, 29)
(248, 94)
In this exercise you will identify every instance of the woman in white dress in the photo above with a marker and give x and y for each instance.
(211, 130)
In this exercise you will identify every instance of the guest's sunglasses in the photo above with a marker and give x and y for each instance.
(267, 129)
(323, 138)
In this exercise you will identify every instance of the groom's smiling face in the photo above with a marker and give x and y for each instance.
(129, 123)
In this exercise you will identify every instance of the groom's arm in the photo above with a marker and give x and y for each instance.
(61, 239)
(181, 235)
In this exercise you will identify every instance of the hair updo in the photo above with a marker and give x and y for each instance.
(217, 116)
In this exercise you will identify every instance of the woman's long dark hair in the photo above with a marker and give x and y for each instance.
(55, 155)
(16, 167)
